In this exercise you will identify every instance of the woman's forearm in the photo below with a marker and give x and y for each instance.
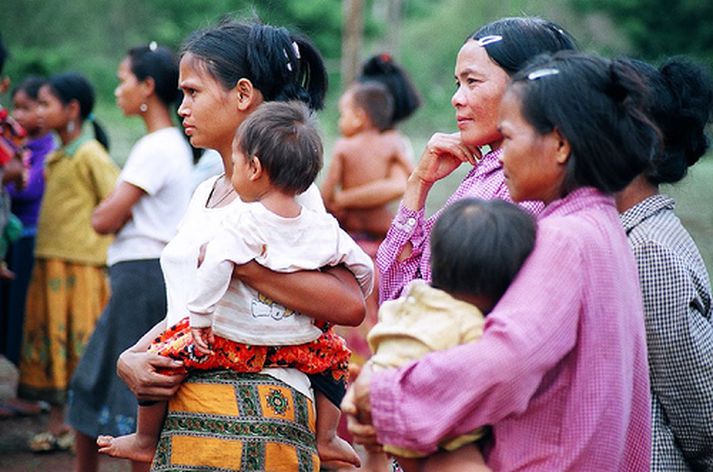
(331, 295)
(416, 193)
(143, 343)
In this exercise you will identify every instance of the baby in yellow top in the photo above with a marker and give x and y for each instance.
(477, 249)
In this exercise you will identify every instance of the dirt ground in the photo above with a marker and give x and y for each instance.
(15, 432)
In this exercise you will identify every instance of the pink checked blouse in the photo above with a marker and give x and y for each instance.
(484, 181)
(560, 372)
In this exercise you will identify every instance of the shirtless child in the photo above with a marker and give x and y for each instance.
(367, 153)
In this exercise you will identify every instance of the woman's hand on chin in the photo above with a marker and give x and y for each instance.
(443, 154)
(139, 370)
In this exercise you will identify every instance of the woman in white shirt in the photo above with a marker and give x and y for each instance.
(144, 210)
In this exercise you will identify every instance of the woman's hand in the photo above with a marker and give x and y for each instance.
(357, 406)
(139, 370)
(443, 154)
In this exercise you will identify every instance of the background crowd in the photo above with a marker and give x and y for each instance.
(591, 343)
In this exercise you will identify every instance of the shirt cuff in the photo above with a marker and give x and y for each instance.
(407, 220)
(200, 320)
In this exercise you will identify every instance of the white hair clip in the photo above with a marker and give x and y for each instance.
(540, 73)
(490, 39)
(153, 45)
(297, 50)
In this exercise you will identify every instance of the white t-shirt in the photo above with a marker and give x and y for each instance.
(179, 259)
(160, 164)
(238, 312)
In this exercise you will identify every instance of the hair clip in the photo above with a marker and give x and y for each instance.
(490, 39)
(296, 49)
(153, 45)
(540, 73)
(385, 57)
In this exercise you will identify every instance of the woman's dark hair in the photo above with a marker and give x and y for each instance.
(478, 246)
(512, 42)
(70, 86)
(382, 68)
(376, 101)
(597, 105)
(282, 65)
(284, 136)
(30, 85)
(160, 64)
(679, 102)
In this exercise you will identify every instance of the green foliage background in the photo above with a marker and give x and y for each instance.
(91, 36)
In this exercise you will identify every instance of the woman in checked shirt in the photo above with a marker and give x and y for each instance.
(674, 281)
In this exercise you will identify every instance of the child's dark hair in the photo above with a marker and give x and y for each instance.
(70, 86)
(679, 102)
(30, 86)
(512, 42)
(284, 136)
(382, 68)
(597, 106)
(376, 101)
(478, 246)
(158, 63)
(282, 65)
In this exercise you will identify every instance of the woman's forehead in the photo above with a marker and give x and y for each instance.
(474, 59)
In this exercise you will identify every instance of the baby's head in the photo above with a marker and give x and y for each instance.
(478, 247)
(276, 147)
(364, 106)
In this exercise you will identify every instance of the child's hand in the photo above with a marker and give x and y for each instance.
(203, 339)
(201, 254)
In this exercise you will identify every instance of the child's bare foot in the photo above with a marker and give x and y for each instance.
(132, 446)
(335, 452)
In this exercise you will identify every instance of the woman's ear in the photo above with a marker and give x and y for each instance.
(74, 110)
(148, 86)
(247, 95)
(563, 147)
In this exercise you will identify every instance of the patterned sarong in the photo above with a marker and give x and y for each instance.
(228, 421)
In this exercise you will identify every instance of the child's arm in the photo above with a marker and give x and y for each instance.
(375, 193)
(203, 339)
(333, 178)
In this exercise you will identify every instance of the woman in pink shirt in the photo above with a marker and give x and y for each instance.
(560, 373)
(485, 63)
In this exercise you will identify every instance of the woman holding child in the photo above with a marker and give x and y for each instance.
(226, 73)
(560, 373)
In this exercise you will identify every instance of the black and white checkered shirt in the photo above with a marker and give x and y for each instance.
(679, 330)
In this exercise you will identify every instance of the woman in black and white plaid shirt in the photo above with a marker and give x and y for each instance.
(675, 284)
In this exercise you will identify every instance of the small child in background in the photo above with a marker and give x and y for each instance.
(13, 138)
(277, 154)
(363, 155)
(478, 247)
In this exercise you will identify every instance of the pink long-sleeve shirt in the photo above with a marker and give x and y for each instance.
(560, 372)
(485, 180)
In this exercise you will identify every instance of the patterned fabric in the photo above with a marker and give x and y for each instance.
(328, 352)
(679, 332)
(226, 421)
(12, 137)
(64, 302)
(485, 181)
(561, 370)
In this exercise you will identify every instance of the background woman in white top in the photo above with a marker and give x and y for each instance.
(150, 198)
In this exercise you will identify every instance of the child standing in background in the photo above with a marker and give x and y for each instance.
(277, 154)
(25, 199)
(477, 249)
(69, 287)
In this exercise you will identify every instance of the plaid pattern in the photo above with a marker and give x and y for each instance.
(484, 181)
(677, 303)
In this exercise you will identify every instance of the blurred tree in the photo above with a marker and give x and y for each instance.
(658, 28)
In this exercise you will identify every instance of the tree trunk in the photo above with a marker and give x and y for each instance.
(352, 38)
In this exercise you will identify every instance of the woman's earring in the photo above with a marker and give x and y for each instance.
(70, 127)
(143, 108)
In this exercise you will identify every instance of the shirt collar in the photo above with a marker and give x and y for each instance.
(579, 199)
(645, 209)
(70, 149)
(488, 163)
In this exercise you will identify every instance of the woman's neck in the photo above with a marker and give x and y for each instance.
(636, 192)
(157, 116)
(66, 136)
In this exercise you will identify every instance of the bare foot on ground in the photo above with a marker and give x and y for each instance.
(132, 446)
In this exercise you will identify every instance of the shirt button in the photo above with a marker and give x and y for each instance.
(411, 221)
